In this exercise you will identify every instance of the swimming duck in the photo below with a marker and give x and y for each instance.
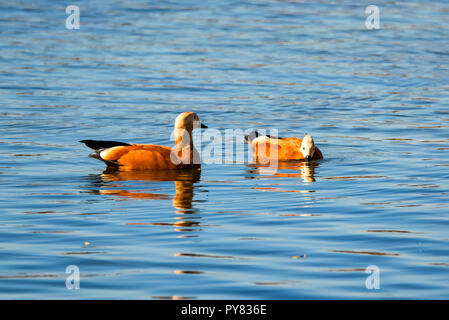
(127, 157)
(283, 148)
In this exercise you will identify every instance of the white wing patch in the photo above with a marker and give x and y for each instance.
(104, 154)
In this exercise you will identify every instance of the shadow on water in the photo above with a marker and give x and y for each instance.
(122, 184)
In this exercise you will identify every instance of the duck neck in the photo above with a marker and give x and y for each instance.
(183, 138)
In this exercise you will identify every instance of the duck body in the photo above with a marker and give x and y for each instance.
(144, 157)
(283, 149)
(128, 157)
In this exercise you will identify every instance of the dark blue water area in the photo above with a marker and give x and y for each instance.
(375, 101)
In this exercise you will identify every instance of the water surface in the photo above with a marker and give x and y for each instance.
(375, 101)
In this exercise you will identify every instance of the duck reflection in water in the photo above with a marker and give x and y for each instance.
(286, 169)
(108, 183)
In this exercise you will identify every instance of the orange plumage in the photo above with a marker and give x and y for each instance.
(282, 149)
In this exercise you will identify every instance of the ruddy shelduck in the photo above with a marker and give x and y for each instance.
(127, 157)
(281, 149)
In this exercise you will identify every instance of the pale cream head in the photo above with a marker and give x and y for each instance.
(307, 147)
(184, 125)
(186, 121)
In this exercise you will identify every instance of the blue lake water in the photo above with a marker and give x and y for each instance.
(375, 101)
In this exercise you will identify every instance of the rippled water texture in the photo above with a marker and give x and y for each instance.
(375, 101)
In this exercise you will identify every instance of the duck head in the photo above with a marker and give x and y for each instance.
(307, 147)
(188, 121)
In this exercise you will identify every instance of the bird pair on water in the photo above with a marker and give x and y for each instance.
(127, 157)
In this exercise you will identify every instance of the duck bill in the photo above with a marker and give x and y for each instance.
(203, 126)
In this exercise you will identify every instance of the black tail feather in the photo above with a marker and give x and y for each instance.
(251, 136)
(97, 144)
